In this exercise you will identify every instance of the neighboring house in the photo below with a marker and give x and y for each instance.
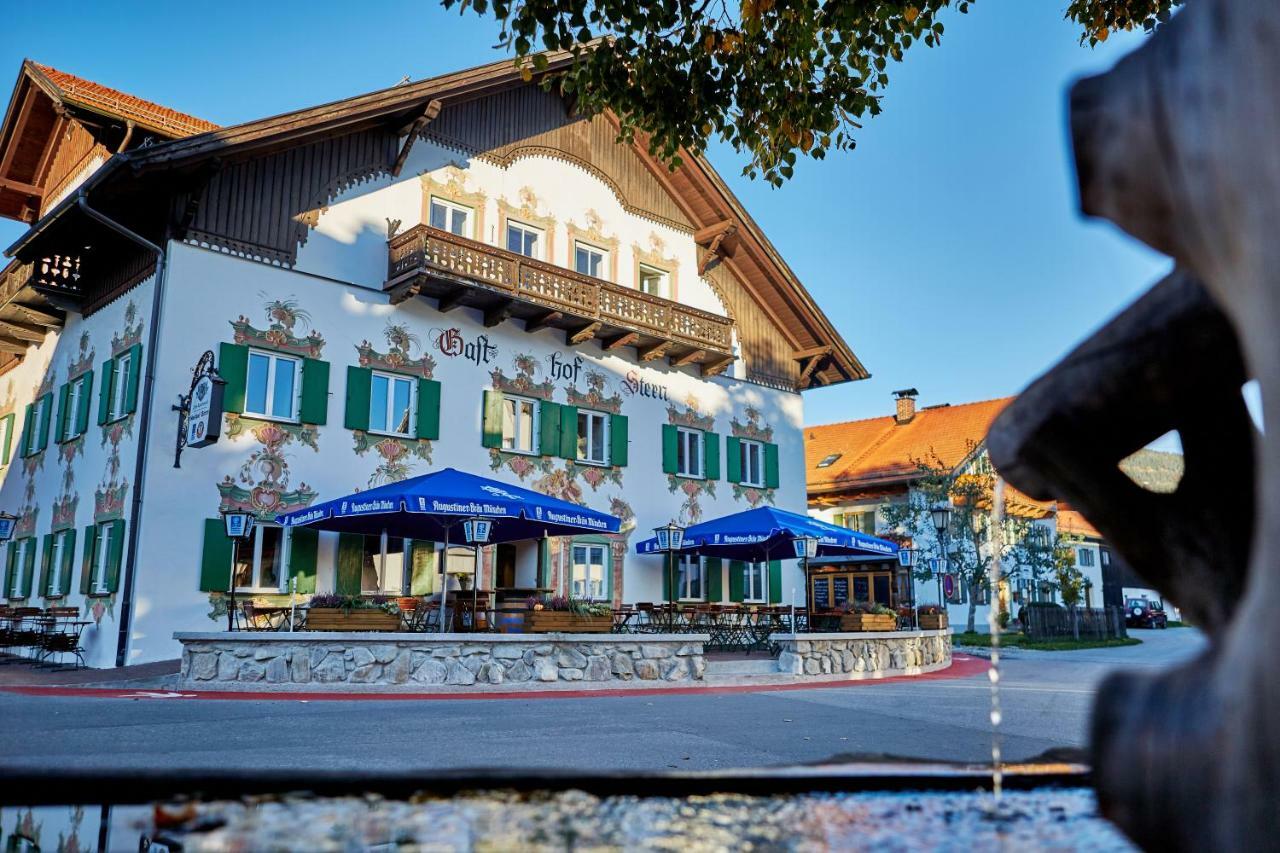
(858, 468)
(462, 271)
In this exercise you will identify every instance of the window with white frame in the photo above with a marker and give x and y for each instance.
(392, 404)
(755, 582)
(451, 217)
(260, 562)
(589, 260)
(379, 575)
(102, 557)
(519, 424)
(691, 579)
(23, 547)
(75, 393)
(587, 572)
(59, 559)
(272, 386)
(593, 438)
(689, 452)
(1084, 557)
(120, 385)
(751, 455)
(654, 281)
(524, 239)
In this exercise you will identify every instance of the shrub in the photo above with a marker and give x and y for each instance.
(347, 603)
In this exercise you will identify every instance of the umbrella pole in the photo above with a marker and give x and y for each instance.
(444, 579)
(382, 546)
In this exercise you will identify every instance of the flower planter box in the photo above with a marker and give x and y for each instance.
(545, 621)
(335, 619)
(868, 622)
(933, 621)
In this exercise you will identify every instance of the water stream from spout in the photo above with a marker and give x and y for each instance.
(993, 625)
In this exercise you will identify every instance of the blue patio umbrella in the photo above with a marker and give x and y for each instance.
(767, 532)
(434, 505)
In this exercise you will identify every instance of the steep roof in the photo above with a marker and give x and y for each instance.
(148, 114)
(881, 451)
(1072, 522)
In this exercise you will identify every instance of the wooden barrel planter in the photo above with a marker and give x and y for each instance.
(933, 621)
(336, 619)
(868, 622)
(546, 621)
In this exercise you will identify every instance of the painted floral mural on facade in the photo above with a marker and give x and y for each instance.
(690, 415)
(601, 397)
(755, 429)
(397, 456)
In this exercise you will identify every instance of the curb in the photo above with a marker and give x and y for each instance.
(962, 666)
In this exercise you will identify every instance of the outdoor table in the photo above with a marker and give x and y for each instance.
(266, 617)
(622, 617)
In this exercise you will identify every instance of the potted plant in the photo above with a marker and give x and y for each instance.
(568, 615)
(862, 616)
(932, 617)
(330, 612)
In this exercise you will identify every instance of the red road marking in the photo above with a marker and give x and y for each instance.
(962, 666)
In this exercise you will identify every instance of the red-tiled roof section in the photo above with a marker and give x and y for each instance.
(1073, 523)
(877, 450)
(151, 115)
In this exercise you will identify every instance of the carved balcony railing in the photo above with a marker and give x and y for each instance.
(458, 271)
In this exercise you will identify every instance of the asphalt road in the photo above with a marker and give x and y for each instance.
(1046, 698)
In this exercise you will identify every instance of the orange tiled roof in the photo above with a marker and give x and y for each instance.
(879, 450)
(151, 115)
(1072, 522)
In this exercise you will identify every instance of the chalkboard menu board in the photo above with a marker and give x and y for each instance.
(840, 590)
(821, 594)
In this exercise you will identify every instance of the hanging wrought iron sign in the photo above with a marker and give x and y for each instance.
(200, 409)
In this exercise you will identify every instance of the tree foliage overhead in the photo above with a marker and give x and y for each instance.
(775, 79)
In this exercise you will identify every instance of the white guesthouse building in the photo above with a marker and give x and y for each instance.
(456, 272)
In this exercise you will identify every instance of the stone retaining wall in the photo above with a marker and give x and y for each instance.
(867, 654)
(217, 660)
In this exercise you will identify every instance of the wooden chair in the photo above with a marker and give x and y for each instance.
(63, 629)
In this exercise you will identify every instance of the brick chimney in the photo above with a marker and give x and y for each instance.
(906, 405)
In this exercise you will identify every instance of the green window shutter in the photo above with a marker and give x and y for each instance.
(549, 428)
(86, 560)
(314, 408)
(713, 571)
(618, 441)
(114, 558)
(29, 567)
(422, 558)
(733, 459)
(771, 466)
(68, 562)
(10, 558)
(670, 438)
(350, 563)
(304, 542)
(491, 424)
(46, 418)
(104, 390)
(135, 371)
(215, 559)
(428, 409)
(233, 367)
(711, 454)
(7, 449)
(82, 413)
(64, 417)
(28, 432)
(775, 581)
(359, 390)
(737, 580)
(569, 432)
(46, 560)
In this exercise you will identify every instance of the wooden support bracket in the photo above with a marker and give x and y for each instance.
(449, 301)
(414, 130)
(543, 321)
(815, 361)
(624, 340)
(498, 313)
(35, 315)
(405, 291)
(22, 331)
(688, 358)
(12, 346)
(586, 333)
(657, 351)
(715, 368)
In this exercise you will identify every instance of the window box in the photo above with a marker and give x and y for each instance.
(337, 619)
(933, 621)
(868, 622)
(563, 621)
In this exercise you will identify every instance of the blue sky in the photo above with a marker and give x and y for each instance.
(946, 249)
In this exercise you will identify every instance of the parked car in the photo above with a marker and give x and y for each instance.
(1145, 613)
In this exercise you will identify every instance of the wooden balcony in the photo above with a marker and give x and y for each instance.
(425, 261)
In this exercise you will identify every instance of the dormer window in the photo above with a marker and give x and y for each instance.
(829, 460)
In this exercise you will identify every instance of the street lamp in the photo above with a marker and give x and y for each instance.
(670, 540)
(941, 513)
(806, 548)
(476, 531)
(907, 560)
(239, 526)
